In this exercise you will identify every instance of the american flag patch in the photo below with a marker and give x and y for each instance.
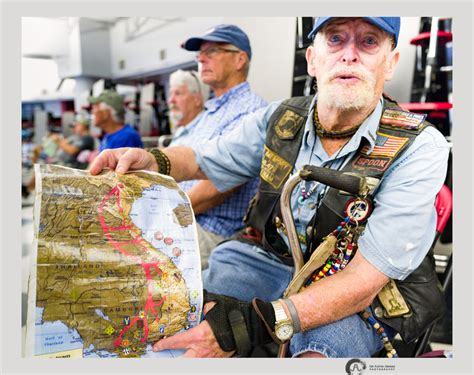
(402, 119)
(385, 145)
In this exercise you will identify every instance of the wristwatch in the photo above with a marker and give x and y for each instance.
(283, 326)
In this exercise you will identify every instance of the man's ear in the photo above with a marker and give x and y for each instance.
(241, 59)
(392, 62)
(197, 99)
(310, 59)
(107, 114)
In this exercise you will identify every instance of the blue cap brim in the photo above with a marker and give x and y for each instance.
(376, 21)
(194, 44)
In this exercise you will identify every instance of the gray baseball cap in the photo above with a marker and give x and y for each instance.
(111, 98)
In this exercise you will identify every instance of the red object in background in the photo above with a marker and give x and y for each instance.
(444, 207)
(67, 106)
(438, 115)
(424, 38)
(432, 106)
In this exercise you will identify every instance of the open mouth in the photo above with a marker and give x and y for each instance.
(347, 77)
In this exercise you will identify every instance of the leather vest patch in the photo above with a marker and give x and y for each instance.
(274, 169)
(288, 125)
(398, 118)
(386, 147)
(364, 162)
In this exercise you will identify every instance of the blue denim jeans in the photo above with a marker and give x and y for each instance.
(244, 271)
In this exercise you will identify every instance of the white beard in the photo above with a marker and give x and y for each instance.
(354, 97)
(175, 116)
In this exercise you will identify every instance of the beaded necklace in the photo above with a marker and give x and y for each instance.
(323, 133)
(347, 234)
(368, 317)
(305, 195)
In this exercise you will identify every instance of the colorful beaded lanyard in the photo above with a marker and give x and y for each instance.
(357, 211)
(306, 194)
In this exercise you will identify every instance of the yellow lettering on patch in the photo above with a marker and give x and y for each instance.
(274, 169)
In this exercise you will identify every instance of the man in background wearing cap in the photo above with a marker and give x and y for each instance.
(349, 126)
(108, 114)
(70, 147)
(224, 55)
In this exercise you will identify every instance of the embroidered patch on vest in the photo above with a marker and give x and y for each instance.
(386, 145)
(288, 125)
(274, 169)
(407, 120)
(362, 162)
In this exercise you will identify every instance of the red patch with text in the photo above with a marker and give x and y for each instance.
(367, 162)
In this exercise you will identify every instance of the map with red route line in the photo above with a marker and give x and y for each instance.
(117, 264)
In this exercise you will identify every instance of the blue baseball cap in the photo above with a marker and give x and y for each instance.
(391, 25)
(221, 34)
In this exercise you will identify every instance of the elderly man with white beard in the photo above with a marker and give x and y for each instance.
(378, 242)
(187, 96)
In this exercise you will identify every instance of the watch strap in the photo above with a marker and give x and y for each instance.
(280, 313)
(270, 328)
(294, 314)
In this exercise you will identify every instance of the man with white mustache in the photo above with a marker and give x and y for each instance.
(187, 95)
(382, 240)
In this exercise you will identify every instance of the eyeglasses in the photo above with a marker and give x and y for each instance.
(211, 52)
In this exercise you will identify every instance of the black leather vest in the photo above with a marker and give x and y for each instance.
(282, 145)
(283, 141)
(284, 135)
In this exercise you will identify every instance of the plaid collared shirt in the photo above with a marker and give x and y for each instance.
(223, 114)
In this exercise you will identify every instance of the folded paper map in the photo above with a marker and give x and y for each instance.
(116, 266)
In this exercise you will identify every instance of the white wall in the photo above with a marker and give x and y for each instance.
(69, 65)
(94, 49)
(400, 87)
(273, 52)
(142, 43)
(44, 37)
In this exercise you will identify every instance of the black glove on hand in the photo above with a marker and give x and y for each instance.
(240, 325)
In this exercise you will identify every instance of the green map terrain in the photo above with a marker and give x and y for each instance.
(95, 272)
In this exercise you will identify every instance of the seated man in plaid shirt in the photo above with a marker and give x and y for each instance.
(224, 54)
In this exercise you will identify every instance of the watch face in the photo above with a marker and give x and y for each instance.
(284, 332)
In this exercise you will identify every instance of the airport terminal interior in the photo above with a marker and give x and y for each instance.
(79, 58)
